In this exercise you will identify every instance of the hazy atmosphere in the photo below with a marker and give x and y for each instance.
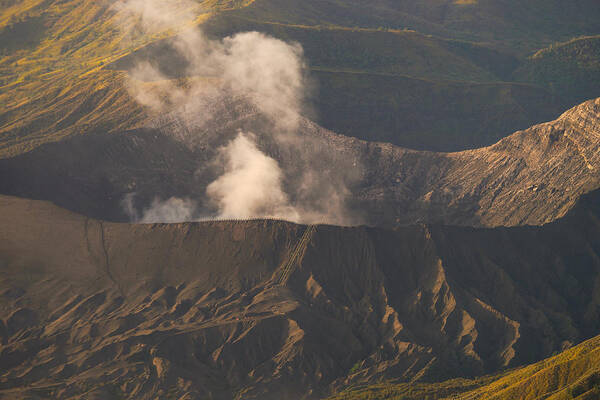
(275, 200)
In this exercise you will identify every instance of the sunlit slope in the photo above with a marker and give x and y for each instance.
(572, 374)
(46, 48)
(65, 105)
(52, 80)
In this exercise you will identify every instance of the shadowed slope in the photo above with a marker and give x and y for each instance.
(523, 25)
(265, 309)
(571, 69)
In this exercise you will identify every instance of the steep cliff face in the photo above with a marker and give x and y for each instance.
(269, 309)
(531, 177)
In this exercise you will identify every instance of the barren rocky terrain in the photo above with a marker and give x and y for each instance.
(269, 309)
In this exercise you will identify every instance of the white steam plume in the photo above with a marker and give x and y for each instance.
(268, 75)
(251, 184)
(266, 71)
(171, 210)
(270, 71)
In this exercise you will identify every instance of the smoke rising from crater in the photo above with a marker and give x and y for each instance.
(268, 170)
(251, 184)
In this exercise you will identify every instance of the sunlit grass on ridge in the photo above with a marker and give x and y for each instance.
(54, 83)
(572, 374)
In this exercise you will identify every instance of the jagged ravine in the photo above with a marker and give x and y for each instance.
(529, 178)
(270, 310)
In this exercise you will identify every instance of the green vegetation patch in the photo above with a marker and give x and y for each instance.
(572, 374)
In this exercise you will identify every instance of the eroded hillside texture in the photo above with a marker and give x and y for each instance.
(285, 200)
(267, 309)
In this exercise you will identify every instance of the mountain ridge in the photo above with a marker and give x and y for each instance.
(532, 177)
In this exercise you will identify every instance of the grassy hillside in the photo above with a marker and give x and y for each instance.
(54, 54)
(571, 68)
(518, 25)
(572, 374)
(428, 114)
(397, 52)
(52, 80)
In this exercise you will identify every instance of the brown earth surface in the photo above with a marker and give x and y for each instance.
(270, 309)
